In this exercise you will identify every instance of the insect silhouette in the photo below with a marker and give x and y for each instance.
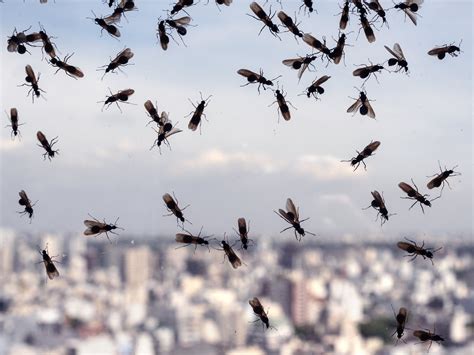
(288, 22)
(307, 6)
(366, 71)
(282, 105)
(254, 78)
(401, 319)
(441, 179)
(32, 82)
(259, 311)
(398, 58)
(243, 232)
(162, 35)
(189, 239)
(266, 19)
(362, 104)
(121, 96)
(413, 194)
(71, 70)
(427, 335)
(164, 132)
(368, 31)
(300, 64)
(441, 51)
(410, 8)
(15, 42)
(122, 7)
(25, 201)
(366, 152)
(153, 113)
(111, 29)
(195, 121)
(121, 59)
(378, 203)
(48, 46)
(234, 260)
(173, 207)
(179, 25)
(223, 2)
(180, 5)
(292, 216)
(14, 123)
(315, 88)
(51, 269)
(344, 16)
(96, 227)
(338, 51)
(317, 44)
(375, 6)
(47, 146)
(414, 250)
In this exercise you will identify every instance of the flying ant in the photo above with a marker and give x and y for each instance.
(413, 194)
(366, 152)
(173, 207)
(14, 123)
(338, 51)
(162, 35)
(121, 96)
(266, 19)
(71, 70)
(179, 24)
(300, 64)
(121, 59)
(198, 113)
(180, 4)
(51, 270)
(16, 40)
(189, 239)
(32, 82)
(378, 203)
(111, 29)
(288, 22)
(153, 113)
(164, 132)
(375, 6)
(315, 88)
(243, 232)
(234, 260)
(124, 6)
(414, 250)
(363, 105)
(401, 319)
(410, 8)
(317, 44)
(398, 58)
(223, 2)
(441, 51)
(48, 46)
(344, 16)
(292, 216)
(25, 201)
(308, 6)
(47, 146)
(366, 71)
(368, 31)
(256, 78)
(441, 179)
(425, 336)
(282, 104)
(259, 311)
(96, 228)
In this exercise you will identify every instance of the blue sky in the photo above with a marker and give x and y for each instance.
(245, 163)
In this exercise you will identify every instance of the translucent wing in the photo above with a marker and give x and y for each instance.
(378, 198)
(321, 80)
(435, 182)
(406, 188)
(370, 112)
(355, 106)
(248, 73)
(30, 73)
(398, 51)
(405, 246)
(372, 146)
(51, 270)
(242, 224)
(290, 207)
(438, 50)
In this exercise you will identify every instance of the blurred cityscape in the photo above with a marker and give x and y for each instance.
(144, 296)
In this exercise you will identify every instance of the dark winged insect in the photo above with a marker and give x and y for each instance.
(180, 4)
(398, 58)
(401, 319)
(47, 146)
(266, 19)
(124, 6)
(410, 8)
(363, 105)
(25, 201)
(153, 113)
(368, 31)
(307, 6)
(292, 216)
(366, 152)
(317, 44)
(441, 179)
(259, 311)
(366, 71)
(121, 59)
(190, 239)
(234, 260)
(413, 194)
(15, 42)
(414, 250)
(378, 203)
(179, 25)
(14, 123)
(344, 16)
(96, 227)
(164, 132)
(427, 335)
(48, 46)
(282, 105)
(300, 64)
(51, 270)
(121, 96)
(375, 6)
(71, 70)
(315, 88)
(360, 7)
(243, 232)
(224, 2)
(338, 51)
(173, 207)
(288, 22)
(195, 121)
(111, 29)
(441, 51)
(32, 82)
(253, 78)
(162, 35)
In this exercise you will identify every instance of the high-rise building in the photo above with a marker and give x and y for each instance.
(137, 272)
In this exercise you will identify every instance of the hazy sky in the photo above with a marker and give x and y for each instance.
(245, 163)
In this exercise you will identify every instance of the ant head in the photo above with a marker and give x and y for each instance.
(181, 218)
(427, 203)
(275, 28)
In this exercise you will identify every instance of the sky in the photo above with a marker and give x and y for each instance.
(245, 163)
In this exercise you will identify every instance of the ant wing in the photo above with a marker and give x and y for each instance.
(127, 92)
(248, 73)
(406, 188)
(435, 182)
(360, 71)
(173, 131)
(51, 270)
(398, 51)
(378, 198)
(257, 10)
(290, 62)
(405, 246)
(23, 196)
(183, 21)
(355, 106)
(255, 304)
(30, 73)
(372, 146)
(233, 258)
(438, 50)
(411, 15)
(321, 80)
(290, 207)
(150, 107)
(371, 112)
(183, 238)
(242, 224)
(169, 200)
(127, 53)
